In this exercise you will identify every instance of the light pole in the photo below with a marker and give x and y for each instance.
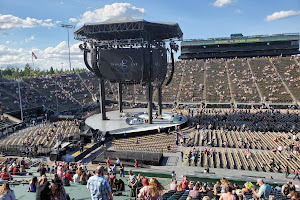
(20, 98)
(67, 26)
(56, 95)
(1, 75)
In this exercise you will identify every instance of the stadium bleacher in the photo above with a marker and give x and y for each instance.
(170, 92)
(156, 143)
(217, 87)
(195, 81)
(288, 68)
(243, 85)
(244, 140)
(42, 136)
(240, 139)
(269, 83)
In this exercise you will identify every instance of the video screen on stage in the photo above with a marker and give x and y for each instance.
(122, 64)
(159, 64)
(126, 65)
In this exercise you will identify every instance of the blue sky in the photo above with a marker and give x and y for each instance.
(34, 25)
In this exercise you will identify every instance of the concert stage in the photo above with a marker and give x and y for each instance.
(133, 122)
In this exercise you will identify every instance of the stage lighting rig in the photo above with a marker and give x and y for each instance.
(173, 47)
(129, 52)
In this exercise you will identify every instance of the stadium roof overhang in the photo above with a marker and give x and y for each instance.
(247, 39)
(126, 28)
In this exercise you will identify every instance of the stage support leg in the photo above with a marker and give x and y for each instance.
(150, 103)
(120, 97)
(159, 101)
(102, 99)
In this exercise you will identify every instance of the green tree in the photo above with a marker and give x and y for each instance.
(15, 75)
(27, 70)
(40, 73)
(8, 71)
(22, 73)
(51, 70)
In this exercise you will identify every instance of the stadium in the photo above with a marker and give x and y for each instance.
(220, 122)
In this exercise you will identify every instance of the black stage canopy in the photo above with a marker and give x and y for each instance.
(127, 28)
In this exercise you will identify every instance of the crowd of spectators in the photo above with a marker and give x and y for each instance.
(170, 92)
(103, 182)
(271, 130)
(217, 86)
(269, 82)
(289, 70)
(225, 190)
(255, 119)
(33, 140)
(193, 81)
(11, 167)
(243, 85)
(43, 91)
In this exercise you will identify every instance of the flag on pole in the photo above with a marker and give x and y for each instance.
(33, 55)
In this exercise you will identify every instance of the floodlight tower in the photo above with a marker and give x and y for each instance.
(68, 26)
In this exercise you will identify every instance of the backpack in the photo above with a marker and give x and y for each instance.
(66, 181)
(83, 181)
(286, 190)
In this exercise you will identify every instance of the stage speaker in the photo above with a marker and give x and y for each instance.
(63, 151)
(54, 155)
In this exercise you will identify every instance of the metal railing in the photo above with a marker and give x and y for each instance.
(20, 150)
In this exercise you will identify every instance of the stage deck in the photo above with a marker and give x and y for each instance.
(133, 121)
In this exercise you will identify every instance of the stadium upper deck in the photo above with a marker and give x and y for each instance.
(238, 45)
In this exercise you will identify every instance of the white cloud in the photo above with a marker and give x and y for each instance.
(282, 14)
(50, 56)
(10, 22)
(71, 20)
(115, 10)
(238, 11)
(221, 3)
(30, 39)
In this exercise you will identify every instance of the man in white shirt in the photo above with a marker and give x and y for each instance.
(118, 162)
(264, 190)
(83, 167)
(173, 185)
(76, 178)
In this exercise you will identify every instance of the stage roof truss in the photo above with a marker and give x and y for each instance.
(128, 28)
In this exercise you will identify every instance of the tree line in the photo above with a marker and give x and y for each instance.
(11, 72)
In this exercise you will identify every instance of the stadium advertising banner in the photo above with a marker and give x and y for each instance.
(240, 40)
(236, 41)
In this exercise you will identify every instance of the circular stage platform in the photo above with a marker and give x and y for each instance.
(133, 121)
